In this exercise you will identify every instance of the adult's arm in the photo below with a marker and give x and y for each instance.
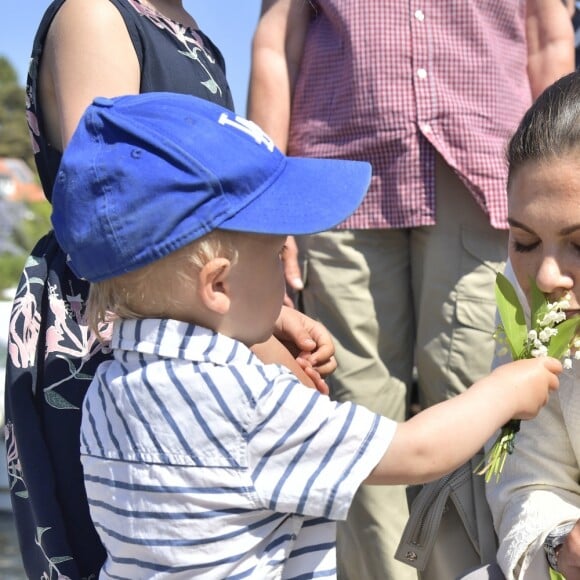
(538, 489)
(276, 54)
(550, 38)
(88, 53)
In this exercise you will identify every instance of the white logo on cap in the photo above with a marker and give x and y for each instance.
(248, 127)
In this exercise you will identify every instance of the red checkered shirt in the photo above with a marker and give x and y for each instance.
(391, 82)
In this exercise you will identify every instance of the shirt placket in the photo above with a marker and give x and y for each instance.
(425, 96)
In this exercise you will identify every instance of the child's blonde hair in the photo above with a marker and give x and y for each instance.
(149, 291)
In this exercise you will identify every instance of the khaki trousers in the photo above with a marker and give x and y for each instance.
(395, 300)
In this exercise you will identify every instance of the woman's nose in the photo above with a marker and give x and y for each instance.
(551, 276)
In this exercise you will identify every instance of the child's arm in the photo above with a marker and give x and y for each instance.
(444, 436)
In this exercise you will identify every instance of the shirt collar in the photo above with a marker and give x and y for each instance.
(175, 339)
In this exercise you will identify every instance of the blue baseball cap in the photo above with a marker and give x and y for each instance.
(144, 175)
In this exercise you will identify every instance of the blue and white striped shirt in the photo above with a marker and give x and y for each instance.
(200, 461)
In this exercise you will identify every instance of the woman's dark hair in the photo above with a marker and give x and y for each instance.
(551, 126)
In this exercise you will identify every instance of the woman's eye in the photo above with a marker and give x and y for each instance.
(523, 248)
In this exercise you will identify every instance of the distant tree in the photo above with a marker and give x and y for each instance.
(20, 224)
(14, 138)
(7, 72)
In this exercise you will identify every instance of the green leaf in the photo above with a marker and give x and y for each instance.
(512, 316)
(539, 305)
(560, 343)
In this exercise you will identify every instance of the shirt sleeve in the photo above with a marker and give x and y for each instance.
(309, 455)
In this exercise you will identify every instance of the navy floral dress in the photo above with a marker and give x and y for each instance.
(51, 354)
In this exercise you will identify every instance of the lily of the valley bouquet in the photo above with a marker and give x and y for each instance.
(550, 334)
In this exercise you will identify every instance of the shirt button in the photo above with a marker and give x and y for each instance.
(426, 128)
(419, 15)
(421, 73)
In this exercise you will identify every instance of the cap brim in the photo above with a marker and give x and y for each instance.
(308, 196)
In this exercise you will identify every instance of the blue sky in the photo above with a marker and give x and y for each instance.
(229, 23)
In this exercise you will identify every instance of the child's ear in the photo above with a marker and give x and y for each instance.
(213, 289)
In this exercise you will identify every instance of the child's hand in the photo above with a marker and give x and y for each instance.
(531, 381)
(308, 348)
(308, 340)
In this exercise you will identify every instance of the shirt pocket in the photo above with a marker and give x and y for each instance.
(472, 342)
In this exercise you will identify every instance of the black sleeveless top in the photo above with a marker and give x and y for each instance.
(171, 56)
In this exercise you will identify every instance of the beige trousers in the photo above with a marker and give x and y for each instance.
(394, 300)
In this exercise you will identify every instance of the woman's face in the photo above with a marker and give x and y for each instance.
(544, 218)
